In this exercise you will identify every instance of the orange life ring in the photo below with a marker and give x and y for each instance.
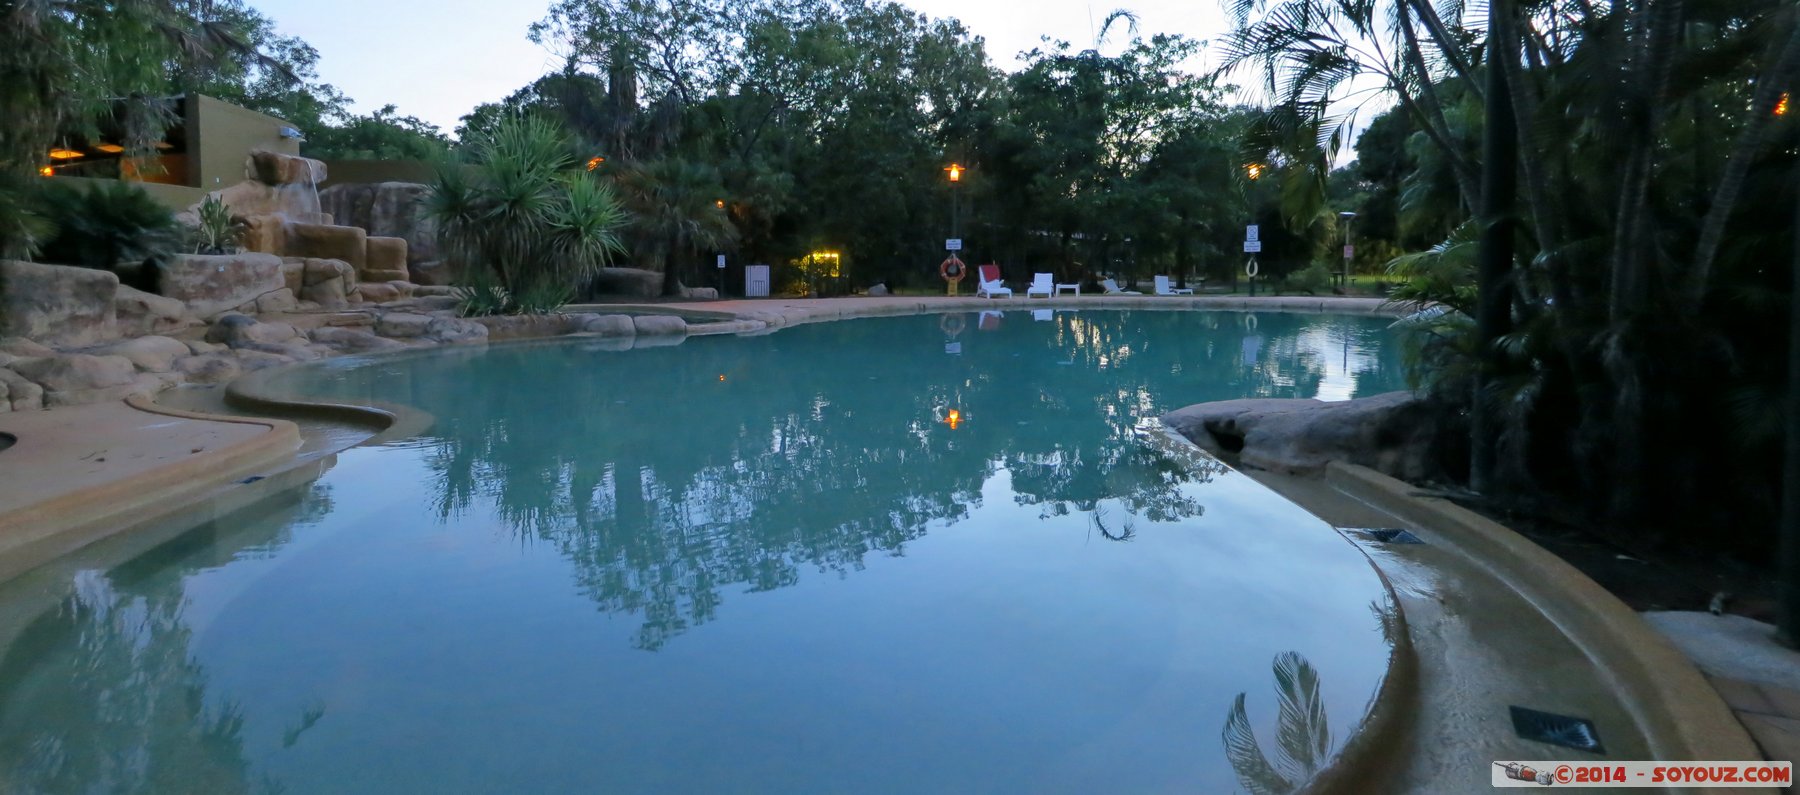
(952, 269)
(952, 324)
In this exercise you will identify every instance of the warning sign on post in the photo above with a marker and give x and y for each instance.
(1251, 233)
(1253, 247)
(953, 244)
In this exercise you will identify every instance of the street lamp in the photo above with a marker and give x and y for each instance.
(955, 170)
(1348, 218)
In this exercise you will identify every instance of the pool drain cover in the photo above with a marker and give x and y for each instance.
(1563, 730)
(1388, 535)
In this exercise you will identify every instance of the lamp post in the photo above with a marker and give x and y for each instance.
(1349, 219)
(955, 170)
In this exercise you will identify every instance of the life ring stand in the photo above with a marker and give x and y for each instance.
(952, 324)
(952, 269)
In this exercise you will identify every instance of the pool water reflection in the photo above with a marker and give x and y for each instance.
(767, 563)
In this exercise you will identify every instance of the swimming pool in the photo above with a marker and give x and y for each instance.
(928, 553)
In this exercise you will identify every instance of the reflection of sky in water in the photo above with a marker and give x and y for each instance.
(638, 575)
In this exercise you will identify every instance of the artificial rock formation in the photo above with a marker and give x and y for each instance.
(1393, 433)
(57, 304)
(393, 210)
(630, 282)
(209, 285)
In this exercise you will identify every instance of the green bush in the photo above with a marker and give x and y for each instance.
(109, 224)
(521, 222)
(216, 233)
(1312, 280)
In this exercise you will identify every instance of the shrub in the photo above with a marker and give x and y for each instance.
(520, 221)
(1312, 280)
(109, 224)
(216, 233)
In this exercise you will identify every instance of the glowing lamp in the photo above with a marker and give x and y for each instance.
(720, 203)
(956, 171)
(953, 419)
(47, 171)
(60, 153)
(595, 162)
(1781, 107)
(111, 149)
(721, 376)
(1254, 170)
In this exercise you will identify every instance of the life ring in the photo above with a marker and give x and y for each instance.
(952, 324)
(1252, 269)
(952, 269)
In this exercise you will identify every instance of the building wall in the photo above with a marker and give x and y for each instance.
(359, 172)
(221, 136)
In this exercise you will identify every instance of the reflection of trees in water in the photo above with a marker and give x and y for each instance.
(101, 693)
(668, 474)
(1302, 733)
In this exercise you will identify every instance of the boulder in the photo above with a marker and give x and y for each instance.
(276, 168)
(144, 384)
(57, 304)
(264, 234)
(350, 340)
(659, 325)
(629, 282)
(282, 300)
(212, 284)
(456, 331)
(320, 241)
(373, 275)
(506, 327)
(24, 348)
(139, 313)
(432, 272)
(385, 255)
(1392, 433)
(403, 325)
(610, 326)
(391, 209)
(431, 290)
(326, 282)
(149, 354)
(77, 372)
(21, 393)
(210, 368)
(241, 331)
(703, 293)
(378, 292)
(253, 360)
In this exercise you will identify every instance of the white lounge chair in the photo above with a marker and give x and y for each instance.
(1163, 288)
(988, 276)
(1043, 284)
(1112, 288)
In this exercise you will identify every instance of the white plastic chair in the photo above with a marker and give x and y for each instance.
(990, 286)
(1112, 288)
(1043, 284)
(1163, 288)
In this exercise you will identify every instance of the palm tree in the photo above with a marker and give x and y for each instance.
(678, 214)
(521, 222)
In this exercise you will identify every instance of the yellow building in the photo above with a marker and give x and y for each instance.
(203, 151)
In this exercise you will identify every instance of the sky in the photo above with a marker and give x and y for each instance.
(438, 59)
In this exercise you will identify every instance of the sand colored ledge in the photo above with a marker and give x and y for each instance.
(78, 475)
(1679, 714)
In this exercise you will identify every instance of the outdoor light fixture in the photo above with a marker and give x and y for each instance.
(595, 163)
(953, 419)
(111, 149)
(1254, 170)
(956, 171)
(1781, 107)
(47, 171)
(292, 133)
(60, 153)
(719, 203)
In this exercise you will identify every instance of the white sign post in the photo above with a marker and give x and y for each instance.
(953, 244)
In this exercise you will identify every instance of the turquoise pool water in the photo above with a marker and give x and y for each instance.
(763, 564)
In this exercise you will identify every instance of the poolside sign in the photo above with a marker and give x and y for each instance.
(953, 244)
(1253, 247)
(1252, 234)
